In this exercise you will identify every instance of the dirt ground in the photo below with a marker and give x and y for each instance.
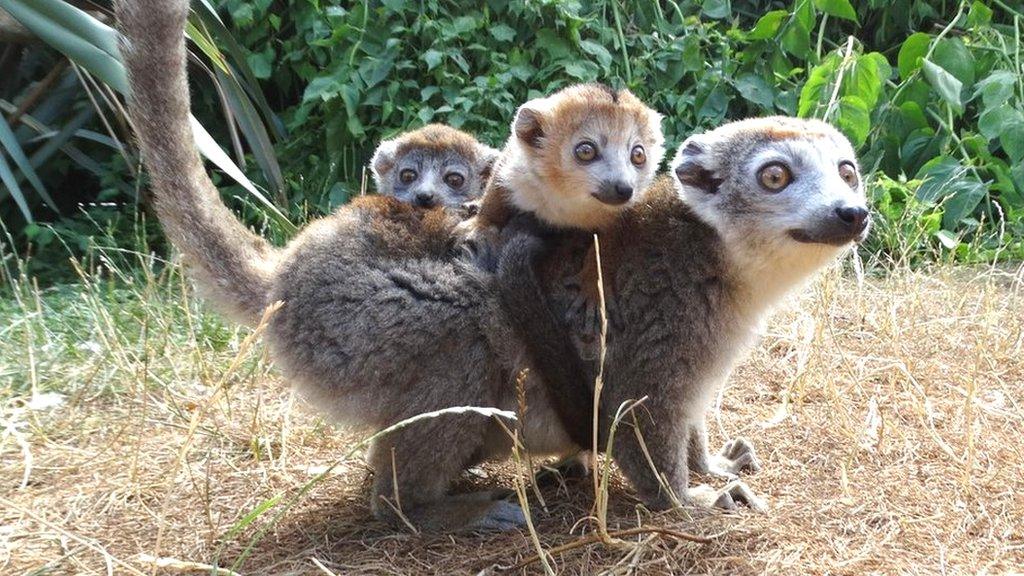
(887, 414)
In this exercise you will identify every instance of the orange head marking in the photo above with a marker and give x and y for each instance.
(581, 155)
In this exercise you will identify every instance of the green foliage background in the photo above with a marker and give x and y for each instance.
(932, 93)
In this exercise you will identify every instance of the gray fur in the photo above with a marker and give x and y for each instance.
(383, 320)
(434, 167)
(689, 282)
(230, 263)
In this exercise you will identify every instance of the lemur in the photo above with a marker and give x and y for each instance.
(435, 165)
(751, 211)
(575, 160)
(383, 318)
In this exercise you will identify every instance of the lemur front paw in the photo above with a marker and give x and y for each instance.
(479, 245)
(730, 497)
(735, 457)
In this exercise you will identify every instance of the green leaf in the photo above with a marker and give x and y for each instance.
(604, 58)
(556, 46)
(582, 70)
(243, 15)
(432, 58)
(77, 22)
(768, 25)
(994, 121)
(913, 116)
(690, 55)
(211, 21)
(913, 50)
(949, 182)
(945, 84)
(248, 120)
(1012, 139)
(755, 89)
(714, 105)
(10, 143)
(717, 9)
(866, 77)
(979, 15)
(954, 57)
(804, 13)
(838, 8)
(967, 196)
(87, 51)
(854, 119)
(996, 88)
(503, 33)
(797, 39)
(260, 65)
(947, 239)
(8, 179)
(822, 76)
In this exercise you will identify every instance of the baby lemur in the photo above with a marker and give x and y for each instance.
(435, 165)
(751, 210)
(383, 318)
(574, 161)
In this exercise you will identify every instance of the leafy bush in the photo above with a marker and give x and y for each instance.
(931, 93)
(927, 94)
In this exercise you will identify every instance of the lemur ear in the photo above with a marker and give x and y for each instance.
(486, 157)
(692, 167)
(383, 159)
(529, 123)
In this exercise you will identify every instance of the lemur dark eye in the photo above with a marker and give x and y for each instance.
(774, 176)
(638, 156)
(454, 179)
(848, 172)
(407, 175)
(585, 151)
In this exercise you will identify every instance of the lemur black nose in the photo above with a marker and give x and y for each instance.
(614, 193)
(425, 199)
(855, 217)
(623, 191)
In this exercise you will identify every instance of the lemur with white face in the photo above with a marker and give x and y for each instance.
(751, 211)
(435, 165)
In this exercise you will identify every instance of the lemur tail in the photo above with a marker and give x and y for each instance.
(231, 265)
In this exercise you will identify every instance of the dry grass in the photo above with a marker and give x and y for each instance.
(888, 416)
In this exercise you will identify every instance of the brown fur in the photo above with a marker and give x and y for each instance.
(541, 146)
(690, 283)
(381, 320)
(384, 320)
(433, 153)
(439, 138)
(230, 263)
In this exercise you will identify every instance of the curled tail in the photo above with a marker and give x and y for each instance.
(231, 265)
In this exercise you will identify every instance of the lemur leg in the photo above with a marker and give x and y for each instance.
(736, 455)
(666, 438)
(426, 457)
